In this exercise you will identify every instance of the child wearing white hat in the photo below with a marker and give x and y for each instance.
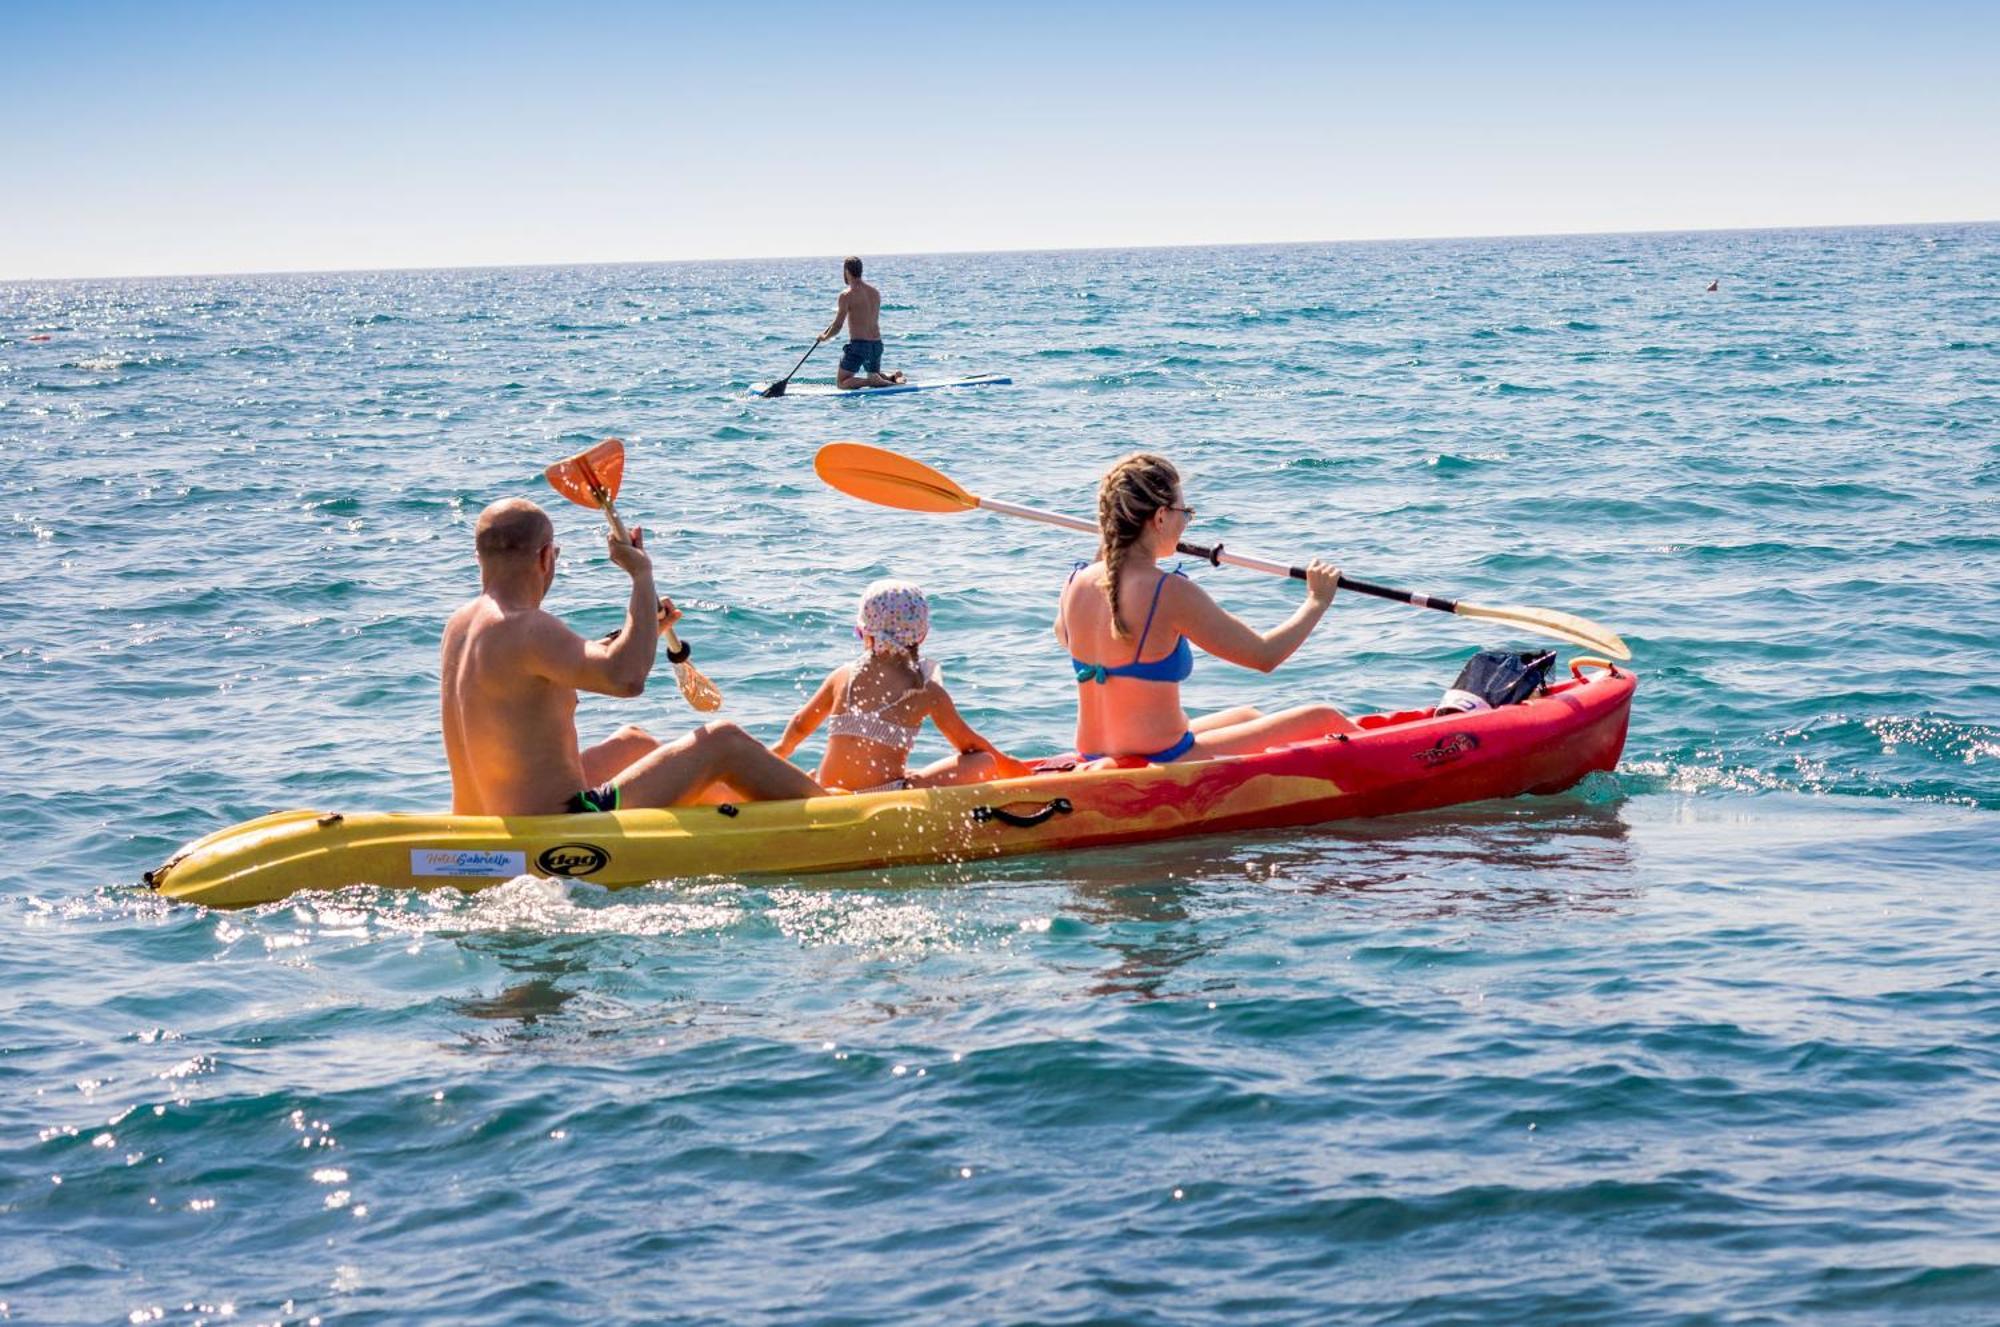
(875, 706)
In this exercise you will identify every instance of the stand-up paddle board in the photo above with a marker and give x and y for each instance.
(828, 389)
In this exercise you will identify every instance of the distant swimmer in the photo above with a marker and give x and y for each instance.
(1714, 286)
(860, 307)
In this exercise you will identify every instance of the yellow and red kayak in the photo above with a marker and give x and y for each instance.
(1412, 761)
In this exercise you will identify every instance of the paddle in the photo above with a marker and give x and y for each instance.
(874, 474)
(778, 388)
(591, 479)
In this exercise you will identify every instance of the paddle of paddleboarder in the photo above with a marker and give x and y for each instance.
(510, 673)
(860, 307)
(1127, 624)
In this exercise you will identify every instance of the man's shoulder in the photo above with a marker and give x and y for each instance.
(506, 627)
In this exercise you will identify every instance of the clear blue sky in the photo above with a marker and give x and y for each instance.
(186, 137)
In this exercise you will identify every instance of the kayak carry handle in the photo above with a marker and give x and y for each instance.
(1583, 661)
(1055, 806)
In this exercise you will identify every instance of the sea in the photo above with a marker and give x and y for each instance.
(1713, 1039)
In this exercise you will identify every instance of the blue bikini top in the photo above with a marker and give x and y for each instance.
(1176, 666)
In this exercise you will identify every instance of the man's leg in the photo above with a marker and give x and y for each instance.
(681, 770)
(622, 749)
(853, 364)
(877, 378)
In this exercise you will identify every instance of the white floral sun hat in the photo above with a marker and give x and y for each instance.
(894, 613)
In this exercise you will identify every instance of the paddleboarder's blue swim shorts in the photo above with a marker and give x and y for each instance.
(604, 797)
(861, 357)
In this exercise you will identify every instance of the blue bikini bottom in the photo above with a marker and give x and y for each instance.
(1166, 757)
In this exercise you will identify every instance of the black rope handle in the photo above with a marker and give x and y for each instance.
(1055, 806)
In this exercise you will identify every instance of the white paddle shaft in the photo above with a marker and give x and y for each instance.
(1248, 563)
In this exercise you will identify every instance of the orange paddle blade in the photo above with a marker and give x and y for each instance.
(590, 479)
(876, 475)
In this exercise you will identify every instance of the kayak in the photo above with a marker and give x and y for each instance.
(1416, 760)
(897, 389)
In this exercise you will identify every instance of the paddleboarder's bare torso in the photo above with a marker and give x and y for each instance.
(861, 306)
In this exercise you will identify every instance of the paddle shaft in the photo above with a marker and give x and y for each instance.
(603, 496)
(795, 368)
(1214, 555)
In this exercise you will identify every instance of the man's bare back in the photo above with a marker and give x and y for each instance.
(528, 763)
(862, 304)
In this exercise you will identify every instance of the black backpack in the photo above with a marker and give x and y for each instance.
(1492, 678)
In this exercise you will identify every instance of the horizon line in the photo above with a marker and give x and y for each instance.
(1033, 249)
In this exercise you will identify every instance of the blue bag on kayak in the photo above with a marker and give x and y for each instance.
(1492, 678)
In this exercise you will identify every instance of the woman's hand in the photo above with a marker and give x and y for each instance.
(1322, 581)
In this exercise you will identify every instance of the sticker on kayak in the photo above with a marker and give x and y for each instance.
(467, 863)
(573, 859)
(1448, 749)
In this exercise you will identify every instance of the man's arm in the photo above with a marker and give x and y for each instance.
(839, 317)
(620, 665)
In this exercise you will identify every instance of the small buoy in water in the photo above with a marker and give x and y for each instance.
(1713, 285)
(38, 338)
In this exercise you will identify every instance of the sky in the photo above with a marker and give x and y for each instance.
(179, 137)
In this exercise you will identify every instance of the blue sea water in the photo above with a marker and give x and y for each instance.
(1715, 1039)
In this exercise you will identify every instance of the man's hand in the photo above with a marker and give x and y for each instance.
(631, 558)
(668, 616)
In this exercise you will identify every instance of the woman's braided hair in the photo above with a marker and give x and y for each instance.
(1132, 491)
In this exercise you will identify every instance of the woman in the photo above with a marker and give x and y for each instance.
(1127, 624)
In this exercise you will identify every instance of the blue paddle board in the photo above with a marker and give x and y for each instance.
(828, 389)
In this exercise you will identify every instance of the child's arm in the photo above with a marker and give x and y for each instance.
(961, 736)
(810, 716)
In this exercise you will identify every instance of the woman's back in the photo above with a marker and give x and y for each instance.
(1128, 687)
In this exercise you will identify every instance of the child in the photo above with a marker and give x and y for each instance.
(878, 704)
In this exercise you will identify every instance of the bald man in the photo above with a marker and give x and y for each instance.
(510, 674)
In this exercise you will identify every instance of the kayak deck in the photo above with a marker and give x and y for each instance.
(1413, 761)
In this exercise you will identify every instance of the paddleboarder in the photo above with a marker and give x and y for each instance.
(860, 307)
(510, 672)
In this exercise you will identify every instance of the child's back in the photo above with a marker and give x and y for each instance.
(879, 707)
(875, 707)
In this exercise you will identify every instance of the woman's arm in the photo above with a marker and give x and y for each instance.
(810, 716)
(1229, 638)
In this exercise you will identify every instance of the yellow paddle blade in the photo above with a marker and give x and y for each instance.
(700, 693)
(1552, 622)
(876, 475)
(591, 478)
